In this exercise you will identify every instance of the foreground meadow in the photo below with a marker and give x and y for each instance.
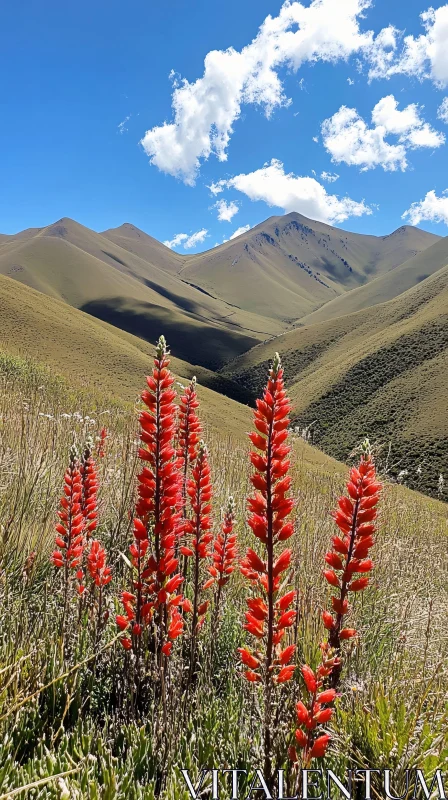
(81, 715)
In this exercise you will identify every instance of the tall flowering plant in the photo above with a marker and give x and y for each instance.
(101, 575)
(89, 497)
(348, 567)
(199, 537)
(70, 530)
(270, 610)
(155, 582)
(348, 561)
(189, 431)
(224, 557)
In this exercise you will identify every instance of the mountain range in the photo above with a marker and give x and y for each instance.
(360, 322)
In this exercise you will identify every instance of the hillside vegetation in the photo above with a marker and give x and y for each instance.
(385, 287)
(288, 266)
(381, 372)
(74, 715)
(90, 353)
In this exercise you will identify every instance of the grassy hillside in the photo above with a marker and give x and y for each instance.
(94, 354)
(387, 286)
(382, 372)
(72, 263)
(290, 265)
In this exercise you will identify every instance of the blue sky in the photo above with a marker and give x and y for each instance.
(291, 102)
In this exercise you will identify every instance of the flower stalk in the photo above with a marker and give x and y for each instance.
(270, 611)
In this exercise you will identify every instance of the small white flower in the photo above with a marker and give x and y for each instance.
(65, 791)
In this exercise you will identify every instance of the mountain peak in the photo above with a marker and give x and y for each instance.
(129, 230)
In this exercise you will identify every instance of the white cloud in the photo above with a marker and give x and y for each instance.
(239, 231)
(348, 138)
(218, 187)
(432, 208)
(330, 177)
(425, 56)
(206, 110)
(350, 81)
(293, 193)
(225, 210)
(176, 241)
(381, 53)
(442, 111)
(185, 240)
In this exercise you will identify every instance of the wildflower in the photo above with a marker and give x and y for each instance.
(101, 440)
(198, 530)
(89, 501)
(70, 532)
(224, 557)
(315, 712)
(355, 518)
(270, 612)
(156, 526)
(70, 527)
(224, 548)
(100, 573)
(189, 434)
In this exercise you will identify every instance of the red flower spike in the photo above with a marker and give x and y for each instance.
(100, 573)
(189, 430)
(355, 517)
(198, 533)
(157, 525)
(269, 508)
(89, 501)
(225, 551)
(70, 528)
(311, 715)
(101, 443)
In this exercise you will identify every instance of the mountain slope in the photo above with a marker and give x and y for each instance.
(79, 266)
(288, 266)
(135, 241)
(90, 353)
(385, 287)
(381, 372)
(222, 301)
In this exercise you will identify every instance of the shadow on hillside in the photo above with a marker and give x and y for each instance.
(191, 340)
